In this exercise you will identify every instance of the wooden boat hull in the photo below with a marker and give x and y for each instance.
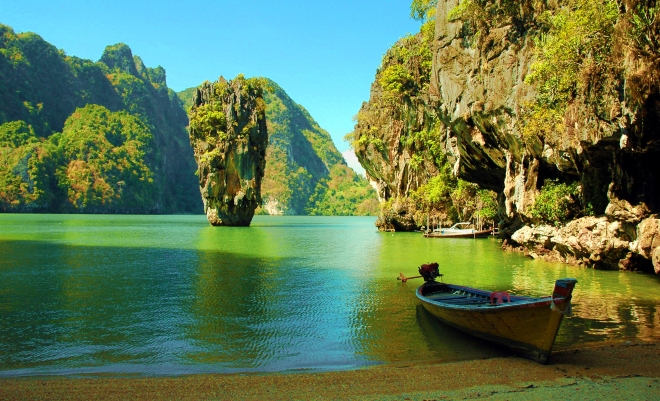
(528, 326)
(447, 234)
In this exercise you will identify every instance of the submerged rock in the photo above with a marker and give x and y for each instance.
(229, 137)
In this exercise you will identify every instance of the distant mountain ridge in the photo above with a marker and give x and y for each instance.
(305, 173)
(135, 133)
(78, 136)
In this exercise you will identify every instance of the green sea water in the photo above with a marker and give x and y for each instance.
(170, 295)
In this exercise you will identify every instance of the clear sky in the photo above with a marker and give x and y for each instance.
(324, 54)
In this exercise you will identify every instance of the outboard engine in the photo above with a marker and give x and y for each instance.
(430, 271)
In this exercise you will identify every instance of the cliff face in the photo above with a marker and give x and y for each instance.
(606, 141)
(401, 143)
(553, 105)
(395, 135)
(305, 174)
(229, 138)
(300, 154)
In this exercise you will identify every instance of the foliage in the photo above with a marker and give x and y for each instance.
(556, 202)
(641, 37)
(425, 143)
(209, 121)
(575, 52)
(343, 193)
(486, 205)
(423, 10)
(396, 80)
(41, 87)
(480, 16)
(103, 155)
(25, 176)
(14, 134)
(450, 199)
(97, 164)
(406, 68)
(581, 57)
(643, 33)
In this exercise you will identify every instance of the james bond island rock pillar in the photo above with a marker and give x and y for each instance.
(229, 137)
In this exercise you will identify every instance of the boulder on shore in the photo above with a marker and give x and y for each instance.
(602, 242)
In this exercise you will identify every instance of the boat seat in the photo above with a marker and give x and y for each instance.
(499, 296)
(468, 301)
(447, 297)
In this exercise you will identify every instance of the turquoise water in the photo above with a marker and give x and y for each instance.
(170, 295)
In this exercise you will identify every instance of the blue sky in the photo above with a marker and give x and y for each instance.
(323, 53)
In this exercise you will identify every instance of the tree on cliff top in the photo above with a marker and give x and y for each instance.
(423, 10)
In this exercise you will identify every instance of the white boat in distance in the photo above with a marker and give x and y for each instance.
(459, 230)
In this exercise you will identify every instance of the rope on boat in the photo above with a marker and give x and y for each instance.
(567, 312)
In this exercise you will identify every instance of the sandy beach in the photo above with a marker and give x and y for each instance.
(623, 371)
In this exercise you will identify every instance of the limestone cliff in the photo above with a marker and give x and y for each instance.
(305, 174)
(393, 137)
(400, 142)
(229, 137)
(516, 109)
(606, 141)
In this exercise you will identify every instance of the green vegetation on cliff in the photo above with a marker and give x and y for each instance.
(105, 160)
(229, 136)
(574, 58)
(400, 142)
(593, 80)
(584, 53)
(83, 136)
(305, 173)
(557, 202)
(446, 198)
(97, 164)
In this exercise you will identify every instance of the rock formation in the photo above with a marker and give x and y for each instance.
(305, 173)
(393, 127)
(606, 142)
(229, 138)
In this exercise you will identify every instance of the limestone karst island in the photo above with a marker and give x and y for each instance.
(420, 199)
(229, 138)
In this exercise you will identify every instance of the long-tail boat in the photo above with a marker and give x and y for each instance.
(526, 325)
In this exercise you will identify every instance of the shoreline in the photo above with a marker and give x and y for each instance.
(629, 370)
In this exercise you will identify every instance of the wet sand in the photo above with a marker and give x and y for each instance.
(624, 371)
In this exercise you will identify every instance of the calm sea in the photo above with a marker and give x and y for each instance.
(170, 295)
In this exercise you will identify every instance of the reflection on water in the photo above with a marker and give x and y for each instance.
(171, 295)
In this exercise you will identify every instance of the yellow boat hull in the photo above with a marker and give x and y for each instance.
(529, 326)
